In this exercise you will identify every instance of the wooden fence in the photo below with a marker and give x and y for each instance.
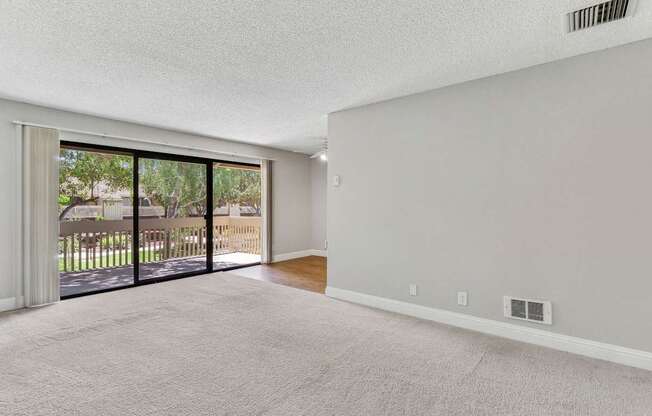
(88, 245)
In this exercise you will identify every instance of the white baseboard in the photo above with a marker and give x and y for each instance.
(593, 349)
(290, 256)
(297, 254)
(8, 304)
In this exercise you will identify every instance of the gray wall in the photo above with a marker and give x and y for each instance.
(534, 183)
(319, 178)
(291, 217)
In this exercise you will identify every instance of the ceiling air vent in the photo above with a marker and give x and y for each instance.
(539, 311)
(599, 14)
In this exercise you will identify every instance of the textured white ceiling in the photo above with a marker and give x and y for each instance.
(268, 72)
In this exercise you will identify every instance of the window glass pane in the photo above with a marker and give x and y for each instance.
(95, 220)
(172, 209)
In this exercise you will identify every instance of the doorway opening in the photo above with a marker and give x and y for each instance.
(237, 218)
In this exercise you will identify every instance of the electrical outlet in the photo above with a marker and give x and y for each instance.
(462, 298)
(413, 289)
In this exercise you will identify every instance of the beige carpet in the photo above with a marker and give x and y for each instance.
(227, 345)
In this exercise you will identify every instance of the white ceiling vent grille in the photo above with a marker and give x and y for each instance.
(538, 311)
(599, 14)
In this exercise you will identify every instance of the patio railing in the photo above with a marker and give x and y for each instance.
(88, 245)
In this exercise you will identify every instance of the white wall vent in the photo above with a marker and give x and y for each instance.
(598, 14)
(539, 311)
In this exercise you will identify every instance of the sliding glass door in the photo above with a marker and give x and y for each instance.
(172, 220)
(130, 217)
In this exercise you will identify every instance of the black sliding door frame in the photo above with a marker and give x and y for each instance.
(135, 243)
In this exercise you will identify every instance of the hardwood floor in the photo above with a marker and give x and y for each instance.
(308, 273)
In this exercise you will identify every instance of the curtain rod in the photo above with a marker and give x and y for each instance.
(148, 141)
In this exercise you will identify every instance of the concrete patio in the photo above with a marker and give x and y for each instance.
(73, 283)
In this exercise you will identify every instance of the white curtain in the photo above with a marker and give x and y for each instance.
(40, 215)
(266, 210)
